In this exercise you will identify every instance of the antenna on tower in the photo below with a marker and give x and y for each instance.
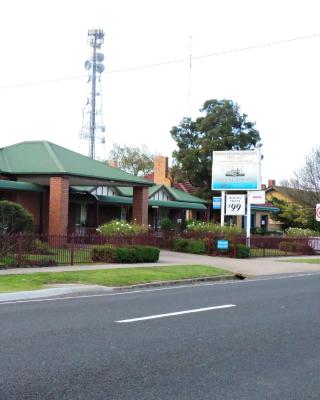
(93, 128)
(190, 75)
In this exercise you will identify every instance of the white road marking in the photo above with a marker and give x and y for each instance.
(176, 313)
(298, 275)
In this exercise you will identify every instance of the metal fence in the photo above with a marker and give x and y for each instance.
(43, 250)
(260, 246)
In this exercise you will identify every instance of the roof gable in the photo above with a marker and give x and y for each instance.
(176, 194)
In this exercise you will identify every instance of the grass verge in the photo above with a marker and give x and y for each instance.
(302, 260)
(107, 277)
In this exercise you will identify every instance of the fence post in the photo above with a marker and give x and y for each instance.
(20, 249)
(72, 249)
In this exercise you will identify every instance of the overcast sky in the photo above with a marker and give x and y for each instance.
(277, 86)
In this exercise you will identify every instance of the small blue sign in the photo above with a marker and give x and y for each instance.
(216, 203)
(223, 244)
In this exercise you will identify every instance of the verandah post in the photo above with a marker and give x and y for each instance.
(72, 249)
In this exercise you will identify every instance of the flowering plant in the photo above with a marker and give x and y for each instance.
(116, 227)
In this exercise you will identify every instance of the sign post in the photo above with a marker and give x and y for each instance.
(223, 206)
(248, 220)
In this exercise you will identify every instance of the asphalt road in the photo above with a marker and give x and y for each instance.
(264, 345)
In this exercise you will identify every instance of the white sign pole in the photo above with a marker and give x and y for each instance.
(223, 206)
(248, 219)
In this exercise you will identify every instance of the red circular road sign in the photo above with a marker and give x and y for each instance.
(318, 212)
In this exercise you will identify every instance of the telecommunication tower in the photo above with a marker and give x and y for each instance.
(93, 129)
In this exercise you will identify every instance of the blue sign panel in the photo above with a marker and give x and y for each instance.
(216, 203)
(223, 244)
(235, 186)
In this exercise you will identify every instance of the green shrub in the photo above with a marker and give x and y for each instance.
(125, 254)
(166, 224)
(193, 246)
(300, 232)
(242, 251)
(179, 244)
(39, 247)
(215, 229)
(136, 254)
(196, 247)
(117, 227)
(14, 218)
(104, 253)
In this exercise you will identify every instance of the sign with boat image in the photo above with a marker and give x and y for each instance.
(236, 170)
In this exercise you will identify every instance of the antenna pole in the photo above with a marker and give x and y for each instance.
(190, 70)
(93, 100)
(92, 125)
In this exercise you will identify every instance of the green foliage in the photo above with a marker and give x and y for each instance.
(125, 254)
(14, 218)
(216, 229)
(166, 224)
(116, 227)
(242, 251)
(104, 253)
(179, 244)
(137, 254)
(222, 127)
(193, 246)
(39, 247)
(300, 232)
(196, 246)
(135, 160)
(291, 214)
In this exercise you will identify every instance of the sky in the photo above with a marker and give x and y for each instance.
(276, 86)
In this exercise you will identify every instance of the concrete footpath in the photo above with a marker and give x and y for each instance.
(249, 267)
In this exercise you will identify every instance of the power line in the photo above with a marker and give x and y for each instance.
(174, 61)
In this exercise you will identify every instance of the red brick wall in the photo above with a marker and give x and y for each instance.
(31, 201)
(58, 206)
(140, 205)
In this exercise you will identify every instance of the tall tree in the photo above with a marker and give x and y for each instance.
(304, 190)
(307, 180)
(222, 127)
(135, 160)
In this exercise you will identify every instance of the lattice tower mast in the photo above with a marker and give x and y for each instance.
(93, 128)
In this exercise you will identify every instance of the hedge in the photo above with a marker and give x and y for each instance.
(193, 246)
(125, 254)
(242, 251)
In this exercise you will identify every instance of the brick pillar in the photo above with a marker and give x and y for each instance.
(58, 206)
(140, 205)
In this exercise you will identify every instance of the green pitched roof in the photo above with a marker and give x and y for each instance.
(178, 195)
(177, 204)
(46, 158)
(24, 186)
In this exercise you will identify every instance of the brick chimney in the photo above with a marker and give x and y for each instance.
(161, 171)
(112, 163)
(271, 182)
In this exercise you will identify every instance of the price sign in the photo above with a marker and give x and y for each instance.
(236, 204)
